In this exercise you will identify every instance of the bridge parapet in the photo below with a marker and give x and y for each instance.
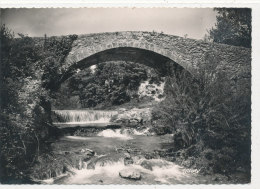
(188, 53)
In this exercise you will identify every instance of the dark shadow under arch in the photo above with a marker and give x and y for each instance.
(162, 64)
(127, 54)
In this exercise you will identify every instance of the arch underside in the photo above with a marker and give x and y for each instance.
(161, 63)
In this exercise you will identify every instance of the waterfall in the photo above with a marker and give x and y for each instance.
(83, 116)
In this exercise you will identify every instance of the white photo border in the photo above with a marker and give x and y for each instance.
(255, 65)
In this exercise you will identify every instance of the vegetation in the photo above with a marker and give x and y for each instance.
(26, 71)
(101, 87)
(233, 27)
(210, 120)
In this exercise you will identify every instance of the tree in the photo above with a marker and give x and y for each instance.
(233, 27)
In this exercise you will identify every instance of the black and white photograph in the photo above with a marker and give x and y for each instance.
(136, 96)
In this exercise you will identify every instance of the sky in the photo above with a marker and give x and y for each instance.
(193, 22)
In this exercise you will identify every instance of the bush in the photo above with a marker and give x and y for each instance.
(25, 110)
(207, 111)
(109, 84)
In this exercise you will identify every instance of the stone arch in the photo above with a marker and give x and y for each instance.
(188, 53)
(128, 54)
(172, 47)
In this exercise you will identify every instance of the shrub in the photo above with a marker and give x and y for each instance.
(25, 110)
(207, 111)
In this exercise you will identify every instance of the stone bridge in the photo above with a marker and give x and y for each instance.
(155, 49)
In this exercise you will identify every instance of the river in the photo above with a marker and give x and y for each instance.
(115, 155)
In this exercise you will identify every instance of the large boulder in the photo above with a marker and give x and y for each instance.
(147, 165)
(130, 173)
(128, 160)
(91, 165)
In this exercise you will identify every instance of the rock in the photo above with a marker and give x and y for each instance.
(128, 160)
(130, 174)
(65, 169)
(53, 173)
(87, 151)
(138, 158)
(127, 155)
(215, 179)
(86, 158)
(134, 121)
(80, 164)
(187, 163)
(147, 165)
(60, 153)
(133, 117)
(119, 150)
(67, 153)
(150, 155)
(91, 165)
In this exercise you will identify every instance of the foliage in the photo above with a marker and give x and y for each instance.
(55, 51)
(233, 27)
(109, 84)
(207, 111)
(25, 111)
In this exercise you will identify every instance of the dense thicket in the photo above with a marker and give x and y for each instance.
(26, 70)
(108, 84)
(211, 120)
(233, 27)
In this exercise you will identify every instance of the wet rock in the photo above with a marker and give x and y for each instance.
(150, 156)
(215, 179)
(91, 165)
(53, 173)
(80, 164)
(60, 153)
(61, 180)
(86, 158)
(106, 160)
(147, 165)
(187, 163)
(119, 150)
(138, 158)
(65, 169)
(128, 160)
(133, 117)
(127, 155)
(161, 129)
(67, 153)
(87, 151)
(134, 121)
(130, 174)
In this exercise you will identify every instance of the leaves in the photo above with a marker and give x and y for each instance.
(207, 113)
(233, 27)
(24, 117)
(112, 83)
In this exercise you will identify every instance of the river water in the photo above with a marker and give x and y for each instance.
(115, 152)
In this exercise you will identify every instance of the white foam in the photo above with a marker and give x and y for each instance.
(87, 176)
(84, 116)
(143, 132)
(77, 138)
(162, 171)
(115, 134)
(51, 180)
